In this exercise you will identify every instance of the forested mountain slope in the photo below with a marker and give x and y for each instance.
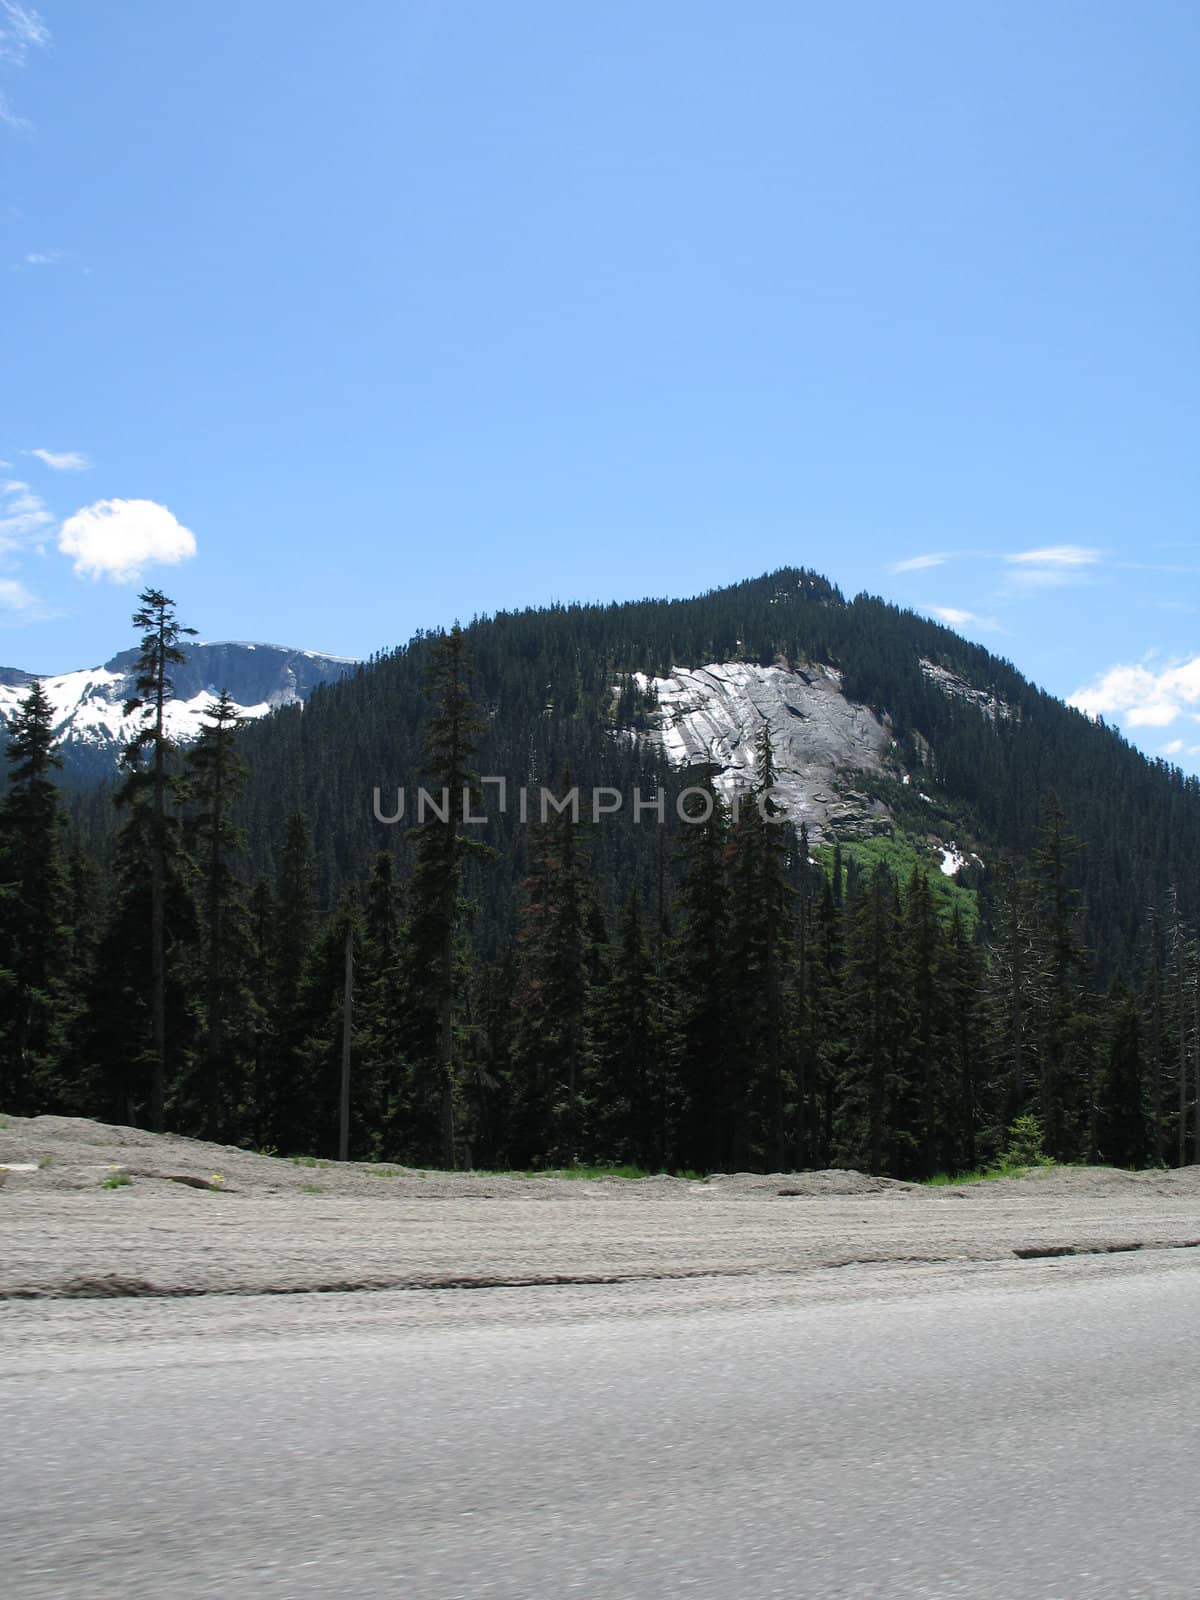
(561, 694)
(975, 931)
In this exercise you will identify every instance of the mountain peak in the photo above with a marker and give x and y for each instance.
(89, 703)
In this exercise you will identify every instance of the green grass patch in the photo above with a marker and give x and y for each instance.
(901, 853)
(952, 1180)
(116, 1180)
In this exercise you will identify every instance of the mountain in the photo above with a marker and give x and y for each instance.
(885, 724)
(90, 724)
(980, 942)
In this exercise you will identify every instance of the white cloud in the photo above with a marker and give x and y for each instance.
(15, 597)
(956, 617)
(11, 118)
(1054, 566)
(1057, 555)
(62, 460)
(953, 615)
(1173, 749)
(117, 539)
(21, 30)
(23, 514)
(917, 563)
(38, 258)
(1138, 697)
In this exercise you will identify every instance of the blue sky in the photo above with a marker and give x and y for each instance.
(339, 322)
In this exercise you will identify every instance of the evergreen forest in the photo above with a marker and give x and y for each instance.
(228, 942)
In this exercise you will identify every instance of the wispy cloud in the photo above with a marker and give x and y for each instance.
(1136, 696)
(21, 31)
(62, 460)
(118, 539)
(24, 515)
(1055, 566)
(1056, 555)
(38, 258)
(16, 601)
(1049, 566)
(10, 117)
(956, 617)
(919, 563)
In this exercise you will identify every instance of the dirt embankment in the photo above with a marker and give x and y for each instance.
(91, 1210)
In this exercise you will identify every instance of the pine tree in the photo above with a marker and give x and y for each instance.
(1121, 1131)
(877, 1028)
(632, 1091)
(1156, 1028)
(1177, 936)
(286, 1093)
(380, 1080)
(37, 1009)
(962, 996)
(217, 775)
(255, 1109)
(120, 1046)
(1014, 994)
(551, 1000)
(701, 972)
(161, 634)
(317, 1052)
(828, 1050)
(761, 920)
(435, 922)
(1062, 1020)
(931, 1123)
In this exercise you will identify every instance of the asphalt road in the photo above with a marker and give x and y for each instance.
(1027, 1432)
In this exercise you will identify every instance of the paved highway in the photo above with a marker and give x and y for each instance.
(1031, 1432)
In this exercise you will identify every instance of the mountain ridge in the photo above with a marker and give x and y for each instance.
(560, 691)
(90, 725)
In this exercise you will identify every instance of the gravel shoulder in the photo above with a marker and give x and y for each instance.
(267, 1225)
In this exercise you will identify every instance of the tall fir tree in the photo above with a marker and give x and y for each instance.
(285, 1089)
(1062, 1022)
(379, 1082)
(217, 774)
(877, 1026)
(704, 1065)
(436, 915)
(147, 782)
(761, 925)
(632, 1078)
(1121, 1130)
(36, 1005)
(550, 1001)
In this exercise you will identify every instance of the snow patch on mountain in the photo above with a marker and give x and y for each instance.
(954, 860)
(90, 725)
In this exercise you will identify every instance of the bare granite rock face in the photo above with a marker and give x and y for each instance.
(956, 687)
(821, 738)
